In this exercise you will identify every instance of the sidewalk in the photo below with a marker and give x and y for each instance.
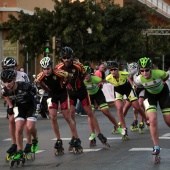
(2, 109)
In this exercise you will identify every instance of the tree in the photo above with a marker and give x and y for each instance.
(30, 30)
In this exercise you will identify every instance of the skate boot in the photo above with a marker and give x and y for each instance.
(141, 127)
(18, 158)
(11, 151)
(156, 156)
(27, 151)
(103, 139)
(125, 137)
(27, 148)
(71, 143)
(76, 145)
(34, 146)
(134, 126)
(92, 140)
(116, 129)
(58, 147)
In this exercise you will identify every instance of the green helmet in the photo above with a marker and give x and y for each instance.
(88, 69)
(145, 63)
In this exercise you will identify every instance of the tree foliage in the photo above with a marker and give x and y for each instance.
(95, 31)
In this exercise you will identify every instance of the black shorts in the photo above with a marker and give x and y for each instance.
(100, 99)
(25, 110)
(162, 98)
(80, 94)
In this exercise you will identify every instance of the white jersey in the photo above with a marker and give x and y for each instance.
(134, 74)
(21, 76)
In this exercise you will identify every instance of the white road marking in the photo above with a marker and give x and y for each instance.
(39, 151)
(113, 138)
(142, 149)
(62, 139)
(9, 139)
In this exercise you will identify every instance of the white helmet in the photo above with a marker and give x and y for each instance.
(132, 66)
(46, 62)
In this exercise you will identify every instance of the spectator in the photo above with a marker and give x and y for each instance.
(22, 69)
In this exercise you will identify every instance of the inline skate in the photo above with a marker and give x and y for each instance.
(141, 127)
(10, 152)
(59, 150)
(103, 139)
(92, 140)
(125, 136)
(18, 159)
(27, 152)
(134, 126)
(75, 145)
(116, 129)
(156, 156)
(34, 147)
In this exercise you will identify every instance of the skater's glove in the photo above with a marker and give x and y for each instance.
(10, 111)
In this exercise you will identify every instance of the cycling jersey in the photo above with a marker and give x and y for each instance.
(92, 86)
(154, 84)
(77, 71)
(76, 87)
(55, 81)
(122, 78)
(24, 93)
(21, 76)
(122, 86)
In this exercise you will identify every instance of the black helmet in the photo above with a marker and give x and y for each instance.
(112, 64)
(8, 74)
(145, 63)
(66, 51)
(9, 62)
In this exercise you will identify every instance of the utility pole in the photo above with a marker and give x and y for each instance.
(53, 47)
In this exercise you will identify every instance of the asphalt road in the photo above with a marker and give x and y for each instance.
(122, 155)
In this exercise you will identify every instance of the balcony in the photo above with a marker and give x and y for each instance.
(160, 6)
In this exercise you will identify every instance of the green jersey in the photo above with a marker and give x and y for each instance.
(154, 84)
(92, 86)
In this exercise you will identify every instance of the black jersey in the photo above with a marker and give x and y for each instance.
(77, 71)
(55, 81)
(25, 93)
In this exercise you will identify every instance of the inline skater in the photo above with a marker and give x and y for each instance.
(133, 71)
(76, 88)
(23, 110)
(156, 91)
(53, 82)
(122, 86)
(96, 94)
(10, 63)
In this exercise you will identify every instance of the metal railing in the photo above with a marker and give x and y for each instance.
(159, 6)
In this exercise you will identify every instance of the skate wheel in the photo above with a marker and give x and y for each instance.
(132, 129)
(140, 131)
(107, 144)
(8, 157)
(11, 163)
(156, 159)
(28, 156)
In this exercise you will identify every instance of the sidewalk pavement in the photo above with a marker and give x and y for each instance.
(2, 108)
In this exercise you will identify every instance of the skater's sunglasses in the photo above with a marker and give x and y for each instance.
(146, 70)
(7, 81)
(66, 57)
(113, 69)
(46, 68)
